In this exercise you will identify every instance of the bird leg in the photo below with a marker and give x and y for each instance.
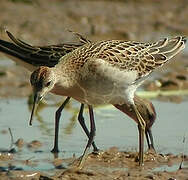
(149, 139)
(84, 127)
(141, 128)
(57, 118)
(91, 136)
(147, 111)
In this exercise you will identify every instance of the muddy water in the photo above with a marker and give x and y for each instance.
(113, 129)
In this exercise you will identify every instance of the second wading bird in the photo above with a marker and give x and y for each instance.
(105, 72)
(33, 56)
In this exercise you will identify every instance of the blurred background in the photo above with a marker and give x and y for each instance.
(48, 22)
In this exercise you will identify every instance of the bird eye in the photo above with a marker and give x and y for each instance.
(48, 83)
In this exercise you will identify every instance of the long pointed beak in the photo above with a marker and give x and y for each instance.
(35, 103)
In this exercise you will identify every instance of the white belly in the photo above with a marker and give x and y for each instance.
(104, 84)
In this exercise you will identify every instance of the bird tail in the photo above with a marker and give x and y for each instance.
(165, 49)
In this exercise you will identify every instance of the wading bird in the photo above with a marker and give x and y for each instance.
(33, 56)
(105, 72)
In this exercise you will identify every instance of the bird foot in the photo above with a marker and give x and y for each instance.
(75, 165)
(55, 150)
(97, 152)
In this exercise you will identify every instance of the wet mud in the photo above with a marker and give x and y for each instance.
(28, 155)
(110, 164)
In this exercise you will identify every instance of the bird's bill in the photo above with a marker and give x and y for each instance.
(35, 103)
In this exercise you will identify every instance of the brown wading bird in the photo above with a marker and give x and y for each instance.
(49, 55)
(33, 56)
(105, 72)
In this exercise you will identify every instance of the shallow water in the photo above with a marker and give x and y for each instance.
(113, 129)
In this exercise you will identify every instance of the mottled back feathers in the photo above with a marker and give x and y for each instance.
(128, 55)
(125, 55)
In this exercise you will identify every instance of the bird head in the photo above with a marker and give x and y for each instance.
(42, 81)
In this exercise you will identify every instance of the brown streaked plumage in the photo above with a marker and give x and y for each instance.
(141, 57)
(33, 56)
(90, 77)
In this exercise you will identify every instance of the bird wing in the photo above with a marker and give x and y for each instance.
(140, 57)
(38, 55)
